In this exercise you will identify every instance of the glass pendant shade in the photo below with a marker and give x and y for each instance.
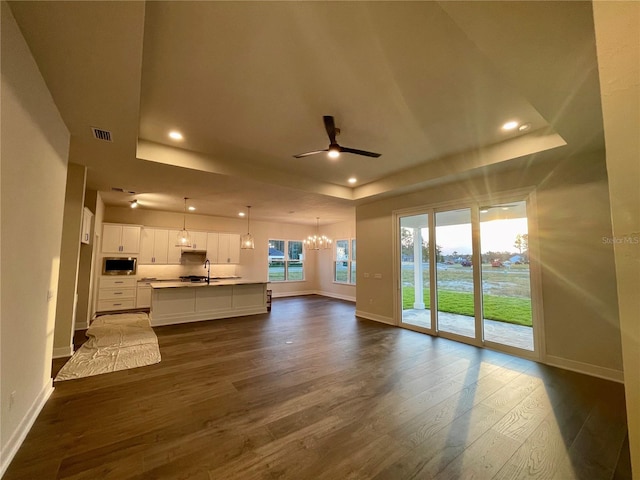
(317, 241)
(246, 240)
(184, 239)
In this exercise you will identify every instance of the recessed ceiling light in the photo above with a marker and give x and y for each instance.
(505, 208)
(191, 208)
(352, 180)
(175, 135)
(241, 214)
(510, 125)
(524, 127)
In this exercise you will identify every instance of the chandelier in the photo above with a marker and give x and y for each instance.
(317, 241)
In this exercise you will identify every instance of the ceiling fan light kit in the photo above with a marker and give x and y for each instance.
(335, 149)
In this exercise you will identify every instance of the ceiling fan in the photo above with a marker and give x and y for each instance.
(334, 149)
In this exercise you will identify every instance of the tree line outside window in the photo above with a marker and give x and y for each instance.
(286, 261)
(344, 265)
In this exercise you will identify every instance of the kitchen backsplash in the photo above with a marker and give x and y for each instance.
(175, 271)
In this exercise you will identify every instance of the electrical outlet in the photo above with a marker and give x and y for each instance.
(12, 399)
(366, 275)
(377, 275)
(49, 295)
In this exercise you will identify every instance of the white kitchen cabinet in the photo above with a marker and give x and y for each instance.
(154, 246)
(212, 247)
(223, 248)
(120, 238)
(198, 240)
(87, 218)
(173, 253)
(116, 293)
(143, 295)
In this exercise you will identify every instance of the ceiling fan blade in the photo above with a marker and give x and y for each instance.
(330, 126)
(359, 152)
(300, 155)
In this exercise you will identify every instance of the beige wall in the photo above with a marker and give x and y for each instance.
(578, 277)
(69, 261)
(34, 151)
(618, 43)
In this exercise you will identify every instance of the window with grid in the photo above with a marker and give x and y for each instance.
(286, 261)
(344, 265)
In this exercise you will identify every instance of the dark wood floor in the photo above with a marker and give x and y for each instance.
(310, 392)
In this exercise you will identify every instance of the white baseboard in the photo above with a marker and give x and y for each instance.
(586, 368)
(62, 352)
(16, 439)
(348, 298)
(375, 318)
(293, 294)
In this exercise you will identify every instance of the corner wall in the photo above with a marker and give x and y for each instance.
(580, 311)
(69, 261)
(34, 152)
(618, 44)
(325, 259)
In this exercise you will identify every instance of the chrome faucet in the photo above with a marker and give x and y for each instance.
(207, 265)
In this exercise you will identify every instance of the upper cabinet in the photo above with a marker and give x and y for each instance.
(158, 246)
(198, 240)
(174, 251)
(154, 246)
(228, 248)
(120, 238)
(87, 218)
(212, 247)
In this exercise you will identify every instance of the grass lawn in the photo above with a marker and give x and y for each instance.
(506, 309)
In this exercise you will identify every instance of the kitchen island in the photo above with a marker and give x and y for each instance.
(183, 302)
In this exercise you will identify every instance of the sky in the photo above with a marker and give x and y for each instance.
(495, 236)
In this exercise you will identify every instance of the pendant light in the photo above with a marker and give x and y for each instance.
(184, 239)
(317, 241)
(246, 241)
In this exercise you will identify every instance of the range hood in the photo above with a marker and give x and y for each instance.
(201, 253)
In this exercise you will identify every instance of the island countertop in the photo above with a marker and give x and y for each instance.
(214, 283)
(181, 302)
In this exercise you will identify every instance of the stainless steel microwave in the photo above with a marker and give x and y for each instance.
(119, 265)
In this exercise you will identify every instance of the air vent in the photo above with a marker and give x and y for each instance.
(122, 190)
(100, 134)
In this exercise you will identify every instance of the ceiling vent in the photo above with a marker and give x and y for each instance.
(100, 134)
(122, 190)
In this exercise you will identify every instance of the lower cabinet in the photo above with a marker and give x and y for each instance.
(116, 293)
(143, 295)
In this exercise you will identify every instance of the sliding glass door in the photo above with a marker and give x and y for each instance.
(414, 271)
(464, 274)
(506, 277)
(454, 277)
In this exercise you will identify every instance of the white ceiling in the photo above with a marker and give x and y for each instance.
(426, 84)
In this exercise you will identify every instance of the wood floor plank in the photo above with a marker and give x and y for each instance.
(346, 399)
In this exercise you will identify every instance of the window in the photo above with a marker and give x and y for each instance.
(286, 261)
(344, 265)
